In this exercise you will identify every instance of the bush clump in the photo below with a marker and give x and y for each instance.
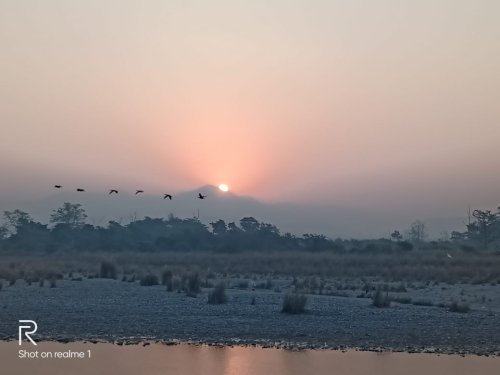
(192, 284)
(459, 307)
(52, 283)
(294, 303)
(149, 280)
(166, 279)
(107, 271)
(218, 295)
(381, 299)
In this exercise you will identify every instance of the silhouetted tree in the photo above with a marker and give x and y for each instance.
(249, 224)
(483, 227)
(3, 232)
(219, 227)
(416, 233)
(70, 214)
(396, 236)
(15, 219)
(233, 228)
(316, 242)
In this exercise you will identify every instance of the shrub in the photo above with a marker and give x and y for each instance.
(176, 283)
(108, 270)
(191, 283)
(459, 307)
(149, 280)
(166, 279)
(381, 299)
(218, 295)
(294, 303)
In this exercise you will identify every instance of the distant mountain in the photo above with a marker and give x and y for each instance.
(332, 221)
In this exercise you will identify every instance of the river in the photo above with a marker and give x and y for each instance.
(156, 359)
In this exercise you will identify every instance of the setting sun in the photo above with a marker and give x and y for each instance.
(223, 187)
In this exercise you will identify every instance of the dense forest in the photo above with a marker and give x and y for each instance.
(68, 230)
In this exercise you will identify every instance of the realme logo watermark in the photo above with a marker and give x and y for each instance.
(29, 327)
(27, 330)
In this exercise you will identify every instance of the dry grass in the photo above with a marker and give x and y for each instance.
(218, 295)
(411, 266)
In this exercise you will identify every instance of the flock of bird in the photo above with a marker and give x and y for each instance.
(115, 191)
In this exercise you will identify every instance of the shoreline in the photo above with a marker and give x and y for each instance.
(151, 358)
(127, 314)
(267, 344)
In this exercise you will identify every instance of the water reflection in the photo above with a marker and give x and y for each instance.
(191, 359)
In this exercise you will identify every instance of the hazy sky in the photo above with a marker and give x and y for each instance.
(357, 103)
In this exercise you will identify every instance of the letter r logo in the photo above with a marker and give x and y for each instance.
(26, 330)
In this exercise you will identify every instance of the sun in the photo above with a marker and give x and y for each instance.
(223, 187)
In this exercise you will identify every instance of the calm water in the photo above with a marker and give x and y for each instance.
(188, 360)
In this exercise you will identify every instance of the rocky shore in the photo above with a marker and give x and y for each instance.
(128, 314)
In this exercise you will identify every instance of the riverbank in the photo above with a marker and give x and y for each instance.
(99, 310)
(156, 359)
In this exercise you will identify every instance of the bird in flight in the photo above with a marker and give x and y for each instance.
(201, 196)
(139, 192)
(113, 191)
(58, 186)
(167, 196)
(80, 189)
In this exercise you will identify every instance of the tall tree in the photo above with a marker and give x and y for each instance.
(15, 220)
(416, 233)
(396, 236)
(219, 227)
(249, 224)
(485, 222)
(71, 214)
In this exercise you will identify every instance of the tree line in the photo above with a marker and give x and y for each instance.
(68, 230)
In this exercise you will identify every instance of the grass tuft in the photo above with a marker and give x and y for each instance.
(459, 307)
(149, 280)
(218, 295)
(107, 271)
(381, 299)
(294, 303)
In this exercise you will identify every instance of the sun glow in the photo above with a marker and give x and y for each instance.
(223, 187)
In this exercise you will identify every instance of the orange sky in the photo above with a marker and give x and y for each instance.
(366, 104)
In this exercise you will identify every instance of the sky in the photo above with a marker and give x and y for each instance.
(389, 105)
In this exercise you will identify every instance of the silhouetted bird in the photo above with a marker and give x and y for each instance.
(79, 189)
(139, 192)
(167, 196)
(200, 196)
(113, 191)
(58, 186)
